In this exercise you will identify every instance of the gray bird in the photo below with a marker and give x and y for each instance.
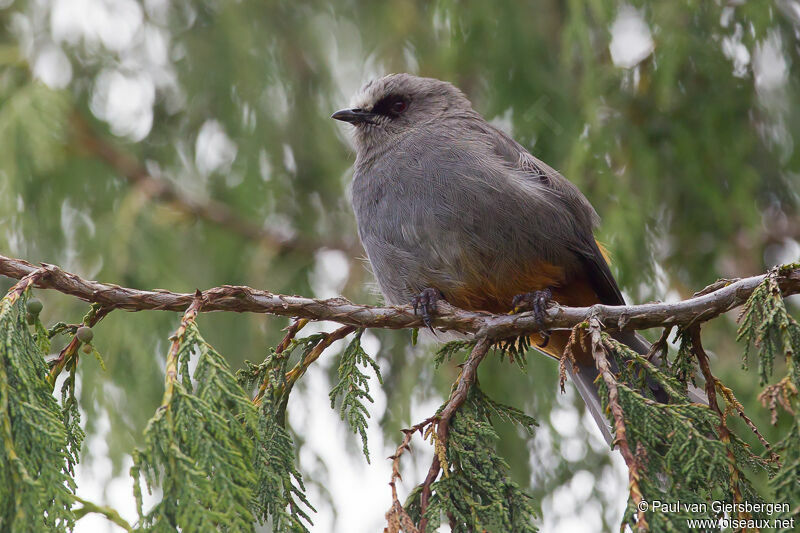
(448, 206)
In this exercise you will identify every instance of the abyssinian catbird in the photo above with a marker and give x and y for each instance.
(449, 206)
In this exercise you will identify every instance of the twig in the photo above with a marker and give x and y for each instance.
(171, 374)
(109, 513)
(781, 392)
(660, 345)
(731, 400)
(246, 299)
(300, 368)
(397, 517)
(620, 439)
(568, 355)
(720, 283)
(291, 332)
(31, 277)
(465, 380)
(69, 353)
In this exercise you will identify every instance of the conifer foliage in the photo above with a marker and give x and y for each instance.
(36, 484)
(766, 324)
(199, 444)
(353, 387)
(280, 493)
(475, 492)
(218, 454)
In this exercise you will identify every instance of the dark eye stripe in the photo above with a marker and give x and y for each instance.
(386, 105)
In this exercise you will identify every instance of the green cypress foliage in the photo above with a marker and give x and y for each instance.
(766, 325)
(71, 418)
(353, 387)
(449, 350)
(680, 453)
(198, 445)
(36, 487)
(475, 491)
(280, 493)
(225, 462)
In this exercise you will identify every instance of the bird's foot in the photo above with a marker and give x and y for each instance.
(425, 304)
(538, 302)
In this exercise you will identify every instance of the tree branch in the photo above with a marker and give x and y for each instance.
(300, 368)
(397, 517)
(620, 437)
(487, 328)
(724, 432)
(465, 380)
(245, 299)
(171, 371)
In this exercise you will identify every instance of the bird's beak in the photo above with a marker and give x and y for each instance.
(353, 116)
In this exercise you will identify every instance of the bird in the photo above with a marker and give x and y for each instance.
(450, 207)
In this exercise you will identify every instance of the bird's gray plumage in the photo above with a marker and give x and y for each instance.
(442, 197)
(439, 184)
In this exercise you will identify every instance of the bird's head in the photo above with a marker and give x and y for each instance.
(387, 107)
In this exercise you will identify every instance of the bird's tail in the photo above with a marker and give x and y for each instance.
(584, 380)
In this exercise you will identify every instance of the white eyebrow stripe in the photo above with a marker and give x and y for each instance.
(365, 98)
(371, 92)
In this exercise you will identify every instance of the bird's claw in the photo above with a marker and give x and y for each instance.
(425, 304)
(538, 302)
(545, 339)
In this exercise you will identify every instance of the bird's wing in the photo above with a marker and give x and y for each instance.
(584, 244)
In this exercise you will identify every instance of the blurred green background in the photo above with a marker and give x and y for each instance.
(186, 144)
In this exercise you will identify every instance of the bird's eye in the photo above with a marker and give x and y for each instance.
(399, 106)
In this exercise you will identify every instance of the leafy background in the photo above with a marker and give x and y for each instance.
(677, 119)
